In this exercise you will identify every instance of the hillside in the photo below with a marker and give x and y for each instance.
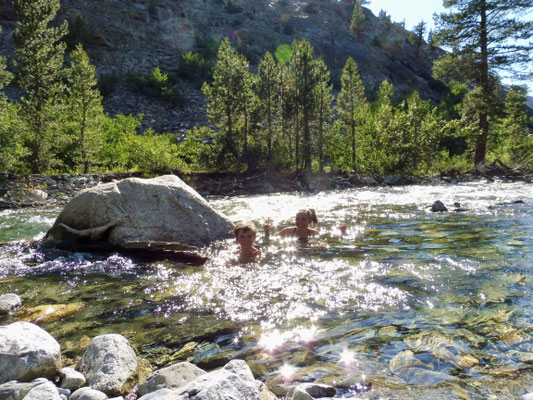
(122, 37)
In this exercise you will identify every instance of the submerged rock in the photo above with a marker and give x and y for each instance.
(27, 352)
(109, 364)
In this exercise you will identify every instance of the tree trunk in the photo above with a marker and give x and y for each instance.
(481, 143)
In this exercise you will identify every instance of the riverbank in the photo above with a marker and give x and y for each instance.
(19, 191)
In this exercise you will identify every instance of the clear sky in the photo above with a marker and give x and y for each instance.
(414, 11)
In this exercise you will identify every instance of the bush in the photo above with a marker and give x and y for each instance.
(288, 29)
(312, 7)
(194, 68)
(158, 85)
(209, 47)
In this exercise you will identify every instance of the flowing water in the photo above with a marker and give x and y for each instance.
(408, 304)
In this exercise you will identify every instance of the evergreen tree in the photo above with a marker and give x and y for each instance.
(417, 37)
(323, 111)
(305, 74)
(84, 109)
(39, 60)
(357, 23)
(350, 102)
(268, 91)
(9, 138)
(482, 35)
(230, 102)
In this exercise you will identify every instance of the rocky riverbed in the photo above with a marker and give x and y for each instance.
(17, 191)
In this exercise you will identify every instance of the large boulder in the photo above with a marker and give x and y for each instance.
(162, 209)
(172, 377)
(109, 364)
(27, 352)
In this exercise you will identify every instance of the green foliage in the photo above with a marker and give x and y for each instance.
(194, 68)
(84, 113)
(288, 29)
(39, 59)
(157, 84)
(358, 21)
(484, 37)
(231, 103)
(12, 150)
(208, 47)
(78, 32)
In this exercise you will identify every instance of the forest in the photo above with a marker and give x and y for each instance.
(289, 115)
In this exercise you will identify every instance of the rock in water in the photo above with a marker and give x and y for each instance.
(158, 209)
(27, 352)
(109, 364)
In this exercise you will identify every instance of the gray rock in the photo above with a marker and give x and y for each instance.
(297, 393)
(161, 394)
(64, 392)
(14, 390)
(71, 379)
(43, 391)
(234, 381)
(316, 390)
(117, 398)
(35, 196)
(369, 180)
(158, 209)
(173, 377)
(527, 396)
(108, 364)
(438, 206)
(9, 302)
(394, 180)
(87, 393)
(27, 352)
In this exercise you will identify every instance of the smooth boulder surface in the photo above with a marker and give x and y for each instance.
(71, 379)
(158, 209)
(172, 377)
(87, 393)
(109, 364)
(27, 352)
(44, 391)
(234, 381)
(8, 302)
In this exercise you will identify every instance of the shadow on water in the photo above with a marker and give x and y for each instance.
(408, 304)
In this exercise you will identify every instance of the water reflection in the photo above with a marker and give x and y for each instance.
(406, 299)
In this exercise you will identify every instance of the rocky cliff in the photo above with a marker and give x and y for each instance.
(123, 36)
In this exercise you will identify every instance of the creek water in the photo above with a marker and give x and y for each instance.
(409, 304)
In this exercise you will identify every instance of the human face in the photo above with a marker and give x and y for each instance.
(302, 220)
(245, 238)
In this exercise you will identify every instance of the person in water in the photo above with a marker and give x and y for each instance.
(245, 234)
(301, 232)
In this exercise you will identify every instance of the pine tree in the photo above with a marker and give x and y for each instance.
(357, 23)
(39, 61)
(268, 86)
(9, 138)
(417, 39)
(84, 108)
(482, 35)
(305, 74)
(323, 111)
(230, 101)
(350, 101)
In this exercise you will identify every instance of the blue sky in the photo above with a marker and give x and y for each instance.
(414, 11)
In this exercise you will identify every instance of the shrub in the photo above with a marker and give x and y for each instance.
(288, 29)
(312, 7)
(158, 85)
(106, 82)
(194, 68)
(209, 47)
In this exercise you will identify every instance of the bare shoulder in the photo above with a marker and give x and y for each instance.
(286, 232)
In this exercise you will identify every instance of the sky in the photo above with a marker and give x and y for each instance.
(414, 11)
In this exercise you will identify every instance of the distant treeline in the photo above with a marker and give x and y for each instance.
(284, 117)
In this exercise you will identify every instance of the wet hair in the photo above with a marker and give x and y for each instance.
(245, 226)
(311, 214)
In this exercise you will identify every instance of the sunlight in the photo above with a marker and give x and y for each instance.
(347, 358)
(287, 372)
(271, 341)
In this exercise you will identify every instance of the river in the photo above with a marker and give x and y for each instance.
(409, 304)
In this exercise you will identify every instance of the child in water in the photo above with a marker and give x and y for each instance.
(245, 233)
(304, 218)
